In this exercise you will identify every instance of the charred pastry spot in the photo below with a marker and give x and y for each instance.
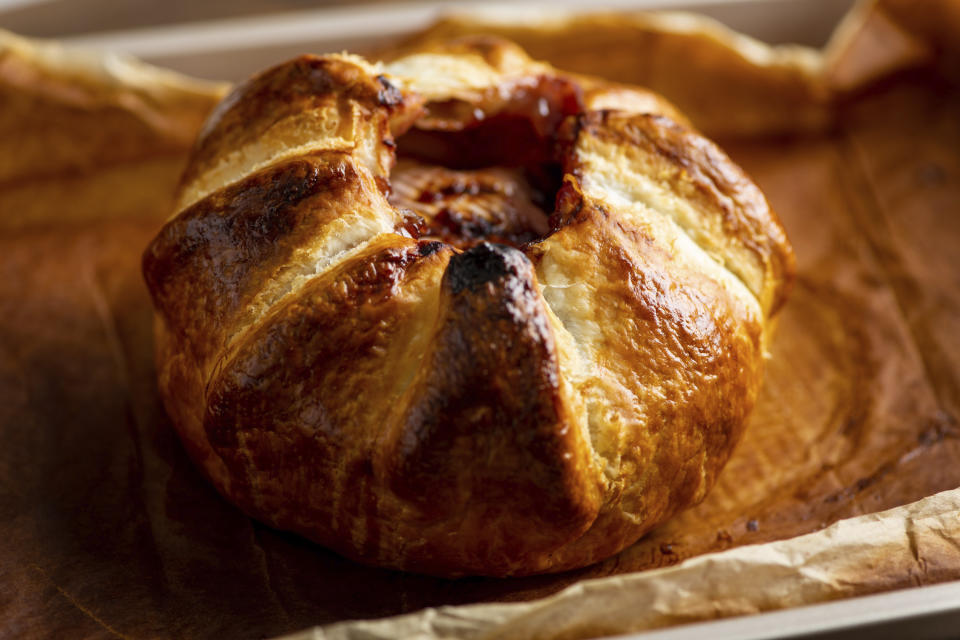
(429, 247)
(389, 95)
(483, 263)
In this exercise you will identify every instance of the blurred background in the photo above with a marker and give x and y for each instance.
(225, 39)
(58, 18)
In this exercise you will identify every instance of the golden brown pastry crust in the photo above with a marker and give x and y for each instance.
(460, 408)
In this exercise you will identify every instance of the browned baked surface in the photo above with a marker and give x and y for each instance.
(108, 529)
(464, 408)
(108, 517)
(466, 207)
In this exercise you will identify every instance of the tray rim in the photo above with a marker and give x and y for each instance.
(841, 618)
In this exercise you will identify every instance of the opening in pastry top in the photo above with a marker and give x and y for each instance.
(484, 173)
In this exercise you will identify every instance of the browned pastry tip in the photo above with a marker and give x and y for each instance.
(518, 350)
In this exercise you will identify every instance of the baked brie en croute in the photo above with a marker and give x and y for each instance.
(516, 350)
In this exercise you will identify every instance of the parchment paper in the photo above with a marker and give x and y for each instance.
(903, 546)
(108, 531)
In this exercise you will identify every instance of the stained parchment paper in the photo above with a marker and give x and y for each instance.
(106, 529)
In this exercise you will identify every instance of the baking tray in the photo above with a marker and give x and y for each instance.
(211, 50)
(235, 48)
(923, 613)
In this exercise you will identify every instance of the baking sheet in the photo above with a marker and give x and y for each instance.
(818, 566)
(110, 531)
(232, 49)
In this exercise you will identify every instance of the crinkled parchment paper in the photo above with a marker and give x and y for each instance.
(901, 547)
(108, 531)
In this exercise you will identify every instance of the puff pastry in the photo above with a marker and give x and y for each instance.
(542, 342)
